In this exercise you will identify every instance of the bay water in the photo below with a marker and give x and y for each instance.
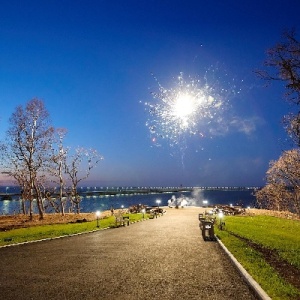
(198, 197)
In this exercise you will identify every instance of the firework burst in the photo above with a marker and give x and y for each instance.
(188, 109)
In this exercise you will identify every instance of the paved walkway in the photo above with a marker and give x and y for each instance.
(164, 258)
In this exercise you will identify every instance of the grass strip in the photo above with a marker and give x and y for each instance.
(253, 261)
(34, 233)
(273, 233)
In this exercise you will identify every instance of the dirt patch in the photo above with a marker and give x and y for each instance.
(24, 221)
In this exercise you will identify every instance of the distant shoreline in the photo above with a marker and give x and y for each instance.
(134, 191)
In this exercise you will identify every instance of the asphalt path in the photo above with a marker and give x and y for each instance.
(163, 258)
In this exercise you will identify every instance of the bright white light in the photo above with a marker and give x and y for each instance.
(190, 108)
(205, 201)
(98, 213)
(184, 106)
(221, 215)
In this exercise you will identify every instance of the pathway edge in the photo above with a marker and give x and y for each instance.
(248, 278)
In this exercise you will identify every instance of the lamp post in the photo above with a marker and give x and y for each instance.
(98, 215)
(158, 202)
(143, 211)
(222, 224)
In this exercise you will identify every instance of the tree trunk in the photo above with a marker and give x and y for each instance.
(39, 201)
(30, 208)
(62, 205)
(77, 205)
(23, 206)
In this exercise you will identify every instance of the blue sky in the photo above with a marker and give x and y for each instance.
(91, 62)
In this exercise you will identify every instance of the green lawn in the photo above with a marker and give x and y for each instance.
(51, 231)
(274, 233)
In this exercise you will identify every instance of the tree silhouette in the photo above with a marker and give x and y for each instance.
(28, 143)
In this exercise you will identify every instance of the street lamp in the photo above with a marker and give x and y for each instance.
(98, 215)
(222, 223)
(143, 211)
(158, 202)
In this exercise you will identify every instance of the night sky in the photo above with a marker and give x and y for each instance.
(96, 65)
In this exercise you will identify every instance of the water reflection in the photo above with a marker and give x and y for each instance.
(5, 207)
(8, 207)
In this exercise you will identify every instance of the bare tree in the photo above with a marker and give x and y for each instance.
(29, 139)
(34, 155)
(283, 64)
(58, 165)
(283, 177)
(292, 126)
(274, 197)
(78, 168)
(283, 183)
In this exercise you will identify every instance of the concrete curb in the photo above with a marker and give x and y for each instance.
(248, 278)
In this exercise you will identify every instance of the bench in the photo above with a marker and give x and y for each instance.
(122, 220)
